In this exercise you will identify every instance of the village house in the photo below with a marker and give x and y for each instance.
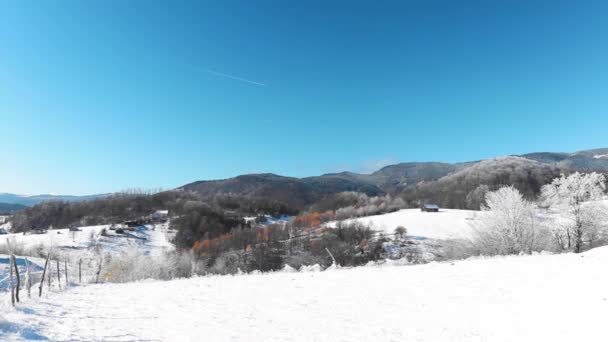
(160, 214)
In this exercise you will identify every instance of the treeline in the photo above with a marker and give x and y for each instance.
(511, 224)
(275, 246)
(303, 241)
(466, 189)
(130, 206)
(350, 204)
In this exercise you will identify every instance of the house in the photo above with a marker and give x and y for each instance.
(160, 214)
(38, 230)
(132, 224)
(430, 208)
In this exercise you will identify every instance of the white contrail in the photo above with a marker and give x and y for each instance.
(230, 76)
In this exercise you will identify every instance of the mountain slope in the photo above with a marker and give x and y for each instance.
(10, 207)
(455, 190)
(588, 160)
(294, 192)
(411, 177)
(33, 200)
(445, 183)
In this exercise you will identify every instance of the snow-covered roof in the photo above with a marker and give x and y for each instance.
(431, 206)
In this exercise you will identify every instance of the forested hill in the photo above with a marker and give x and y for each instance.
(457, 186)
(446, 183)
(8, 208)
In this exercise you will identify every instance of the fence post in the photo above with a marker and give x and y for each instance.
(58, 275)
(50, 275)
(18, 278)
(43, 274)
(66, 273)
(98, 269)
(11, 280)
(80, 270)
(28, 280)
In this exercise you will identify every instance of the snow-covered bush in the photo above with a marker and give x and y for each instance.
(134, 264)
(400, 232)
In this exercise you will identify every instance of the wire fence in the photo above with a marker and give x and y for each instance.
(19, 275)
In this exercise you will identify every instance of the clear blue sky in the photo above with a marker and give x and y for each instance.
(99, 96)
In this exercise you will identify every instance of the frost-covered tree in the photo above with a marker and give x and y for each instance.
(508, 225)
(576, 196)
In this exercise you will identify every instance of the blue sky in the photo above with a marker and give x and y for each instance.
(99, 96)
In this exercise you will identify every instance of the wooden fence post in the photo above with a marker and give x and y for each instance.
(58, 275)
(80, 271)
(18, 278)
(10, 266)
(66, 273)
(43, 274)
(50, 275)
(28, 280)
(98, 269)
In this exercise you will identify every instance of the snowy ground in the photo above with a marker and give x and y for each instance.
(446, 224)
(152, 238)
(5, 226)
(517, 298)
(73, 246)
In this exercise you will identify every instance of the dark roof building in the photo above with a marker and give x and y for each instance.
(430, 208)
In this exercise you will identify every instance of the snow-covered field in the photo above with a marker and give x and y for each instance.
(5, 226)
(445, 224)
(151, 238)
(518, 298)
(76, 245)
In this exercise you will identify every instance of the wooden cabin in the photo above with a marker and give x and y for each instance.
(430, 208)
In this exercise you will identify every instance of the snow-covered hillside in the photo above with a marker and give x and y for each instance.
(76, 245)
(152, 238)
(518, 298)
(445, 224)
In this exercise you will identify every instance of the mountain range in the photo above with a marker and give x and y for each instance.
(528, 171)
(429, 180)
(26, 200)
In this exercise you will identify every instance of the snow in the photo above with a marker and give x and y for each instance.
(600, 156)
(517, 298)
(152, 238)
(5, 225)
(34, 265)
(445, 224)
